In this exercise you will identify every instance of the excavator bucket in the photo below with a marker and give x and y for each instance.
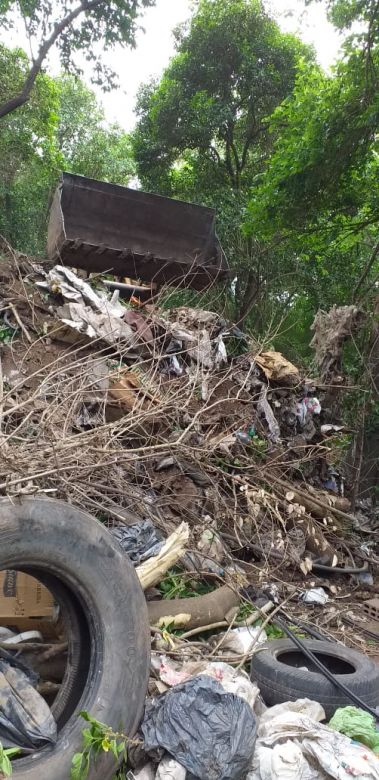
(106, 228)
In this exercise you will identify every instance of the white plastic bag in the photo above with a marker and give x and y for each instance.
(285, 761)
(330, 754)
(169, 769)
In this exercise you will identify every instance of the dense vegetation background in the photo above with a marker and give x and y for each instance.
(243, 119)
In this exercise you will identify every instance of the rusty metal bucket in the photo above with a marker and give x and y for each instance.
(104, 227)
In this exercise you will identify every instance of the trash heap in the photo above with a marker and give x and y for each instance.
(143, 413)
(217, 465)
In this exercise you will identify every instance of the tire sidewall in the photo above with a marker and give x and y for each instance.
(280, 682)
(76, 548)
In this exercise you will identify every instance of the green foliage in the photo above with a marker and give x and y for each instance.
(89, 146)
(6, 334)
(178, 585)
(244, 120)
(97, 739)
(361, 15)
(75, 28)
(323, 157)
(203, 130)
(5, 760)
(27, 147)
(62, 127)
(319, 195)
(206, 120)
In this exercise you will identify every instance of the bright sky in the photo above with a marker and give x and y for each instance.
(155, 47)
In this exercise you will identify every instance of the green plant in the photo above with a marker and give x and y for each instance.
(246, 609)
(5, 763)
(259, 445)
(97, 738)
(6, 334)
(181, 586)
(272, 631)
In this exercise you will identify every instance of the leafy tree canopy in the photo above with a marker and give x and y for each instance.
(89, 145)
(320, 188)
(73, 27)
(209, 111)
(62, 127)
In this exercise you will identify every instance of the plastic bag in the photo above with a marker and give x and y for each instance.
(282, 762)
(169, 769)
(25, 718)
(314, 596)
(140, 541)
(146, 773)
(357, 724)
(233, 681)
(208, 731)
(279, 712)
(239, 640)
(239, 683)
(330, 753)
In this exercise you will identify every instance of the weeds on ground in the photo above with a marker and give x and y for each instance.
(272, 631)
(246, 609)
(179, 585)
(6, 334)
(97, 739)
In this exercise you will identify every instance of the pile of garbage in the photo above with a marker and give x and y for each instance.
(217, 465)
(168, 415)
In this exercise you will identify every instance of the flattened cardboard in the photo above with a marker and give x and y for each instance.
(22, 596)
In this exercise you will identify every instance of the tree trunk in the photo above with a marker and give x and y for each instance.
(250, 297)
(368, 466)
(8, 217)
(363, 457)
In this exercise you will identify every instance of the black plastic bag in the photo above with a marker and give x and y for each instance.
(25, 719)
(140, 541)
(209, 731)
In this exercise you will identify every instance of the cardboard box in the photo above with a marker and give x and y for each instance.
(22, 596)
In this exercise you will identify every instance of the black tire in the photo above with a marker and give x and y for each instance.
(106, 615)
(279, 679)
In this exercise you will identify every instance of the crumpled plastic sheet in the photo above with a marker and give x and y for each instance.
(265, 410)
(75, 290)
(147, 772)
(356, 724)
(307, 406)
(25, 719)
(169, 769)
(208, 731)
(302, 707)
(211, 553)
(88, 312)
(314, 596)
(285, 761)
(326, 753)
(199, 333)
(239, 640)
(232, 681)
(96, 325)
(140, 541)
